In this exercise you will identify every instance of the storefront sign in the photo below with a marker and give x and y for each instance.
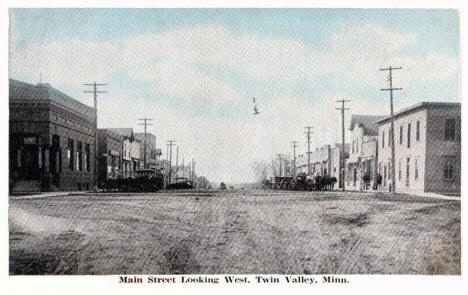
(30, 140)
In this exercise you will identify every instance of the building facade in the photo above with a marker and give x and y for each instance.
(152, 153)
(51, 138)
(337, 166)
(110, 145)
(361, 166)
(320, 161)
(427, 148)
(130, 161)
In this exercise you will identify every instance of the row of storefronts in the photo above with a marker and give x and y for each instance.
(427, 151)
(51, 143)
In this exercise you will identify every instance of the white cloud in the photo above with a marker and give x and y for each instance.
(224, 147)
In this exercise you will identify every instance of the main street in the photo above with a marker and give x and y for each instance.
(243, 231)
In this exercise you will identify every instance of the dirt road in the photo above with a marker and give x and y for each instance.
(235, 232)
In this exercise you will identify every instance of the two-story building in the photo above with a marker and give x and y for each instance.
(130, 151)
(321, 160)
(110, 155)
(427, 148)
(363, 157)
(51, 140)
(153, 154)
(337, 166)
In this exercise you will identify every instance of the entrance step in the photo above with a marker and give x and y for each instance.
(25, 187)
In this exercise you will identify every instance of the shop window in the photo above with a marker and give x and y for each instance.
(448, 167)
(70, 153)
(80, 156)
(416, 167)
(399, 169)
(87, 155)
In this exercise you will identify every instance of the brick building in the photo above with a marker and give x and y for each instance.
(51, 140)
(427, 148)
(110, 145)
(363, 156)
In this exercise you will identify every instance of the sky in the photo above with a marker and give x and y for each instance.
(195, 71)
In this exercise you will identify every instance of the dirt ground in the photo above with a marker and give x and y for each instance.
(235, 232)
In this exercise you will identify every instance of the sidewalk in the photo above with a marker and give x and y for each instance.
(48, 195)
(422, 194)
(437, 196)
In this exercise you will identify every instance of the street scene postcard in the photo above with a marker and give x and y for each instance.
(179, 145)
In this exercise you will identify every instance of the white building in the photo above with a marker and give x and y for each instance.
(427, 148)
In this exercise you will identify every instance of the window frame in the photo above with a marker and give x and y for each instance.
(408, 138)
(446, 138)
(449, 168)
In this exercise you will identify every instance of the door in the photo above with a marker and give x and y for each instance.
(29, 169)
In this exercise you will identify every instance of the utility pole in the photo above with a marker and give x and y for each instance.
(308, 147)
(280, 167)
(193, 170)
(392, 120)
(145, 123)
(343, 109)
(170, 144)
(183, 167)
(294, 146)
(95, 92)
(177, 161)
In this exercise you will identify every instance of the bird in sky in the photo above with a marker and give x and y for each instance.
(256, 112)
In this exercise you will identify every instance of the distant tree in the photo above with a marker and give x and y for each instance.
(262, 171)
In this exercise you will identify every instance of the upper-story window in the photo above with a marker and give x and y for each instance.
(418, 127)
(450, 129)
(409, 136)
(383, 139)
(401, 134)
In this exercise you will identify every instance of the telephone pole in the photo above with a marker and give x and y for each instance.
(95, 92)
(170, 143)
(343, 109)
(294, 146)
(280, 167)
(183, 167)
(177, 161)
(308, 147)
(392, 120)
(145, 123)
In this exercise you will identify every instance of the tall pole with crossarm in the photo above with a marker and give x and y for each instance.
(145, 124)
(308, 147)
(95, 92)
(392, 120)
(343, 150)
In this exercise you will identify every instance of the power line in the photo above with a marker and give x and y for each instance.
(392, 120)
(145, 123)
(342, 170)
(308, 132)
(294, 146)
(95, 92)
